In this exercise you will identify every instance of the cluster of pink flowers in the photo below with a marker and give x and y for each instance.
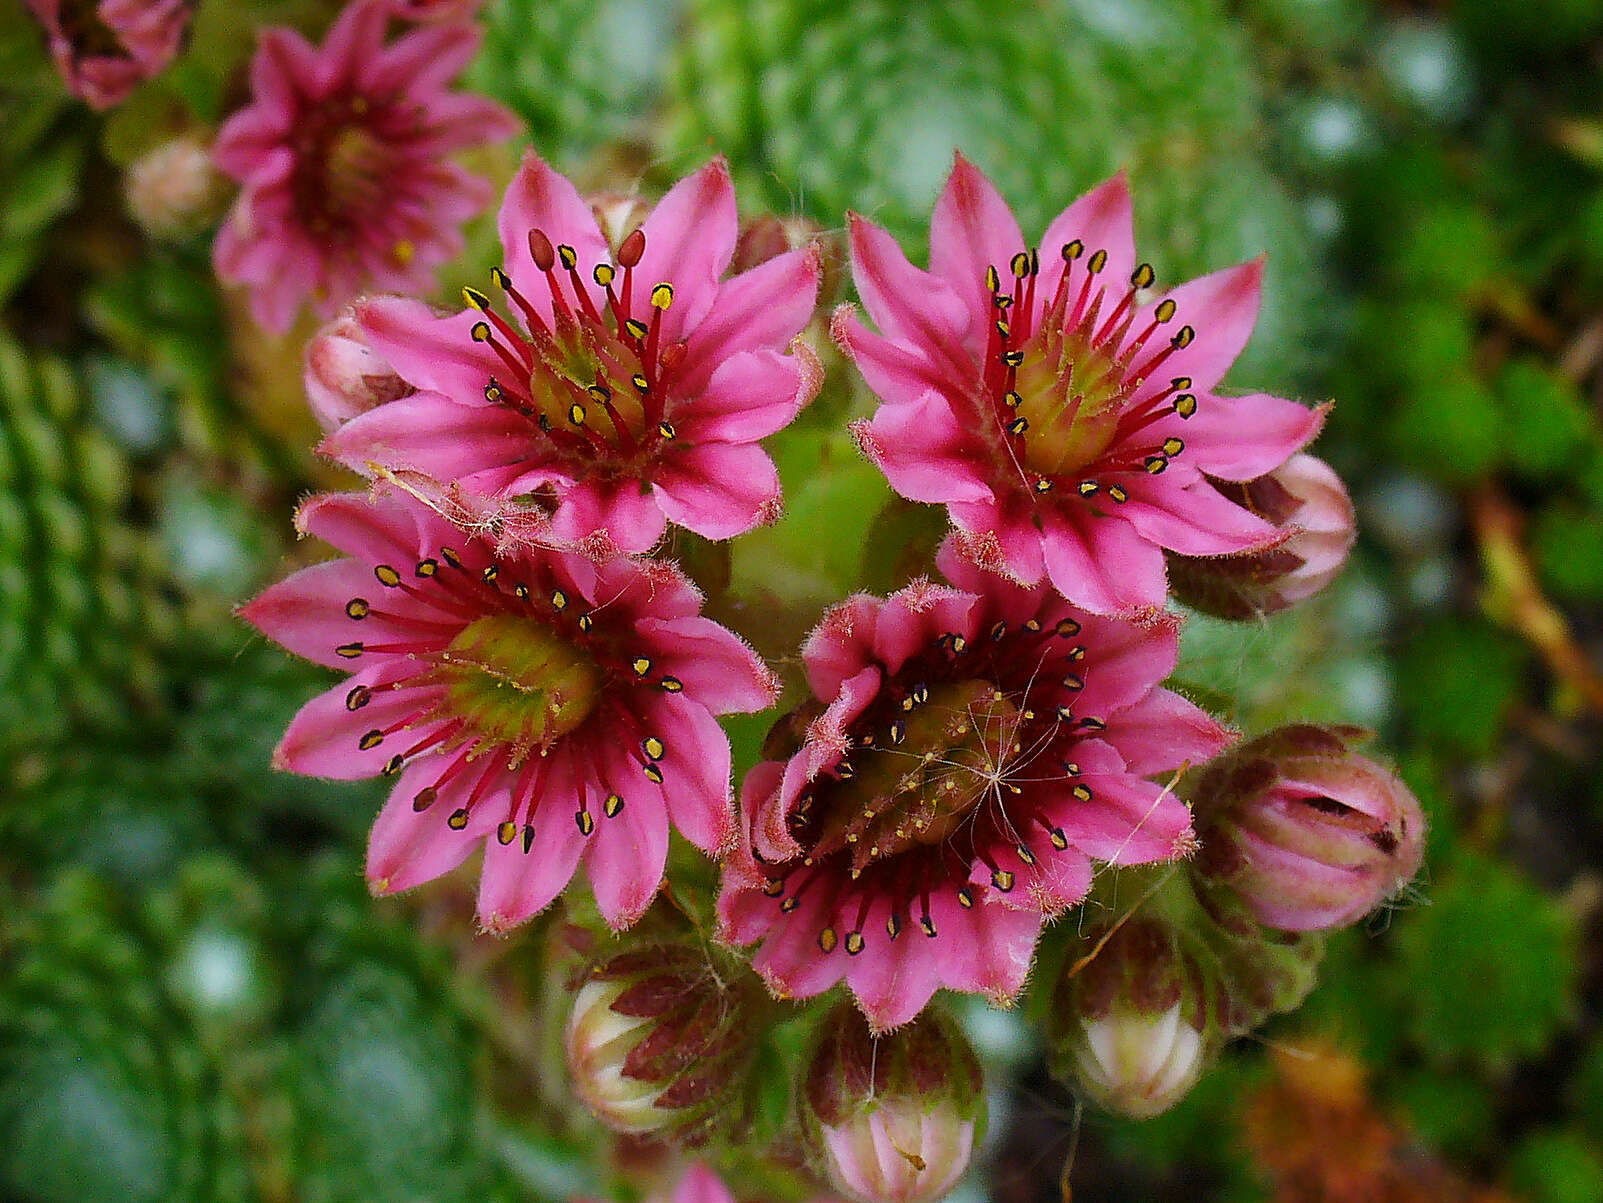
(540, 682)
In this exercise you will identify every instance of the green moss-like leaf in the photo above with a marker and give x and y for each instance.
(1456, 681)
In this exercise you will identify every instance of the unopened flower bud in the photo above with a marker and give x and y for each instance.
(892, 1118)
(661, 1040)
(1304, 497)
(174, 189)
(1309, 834)
(346, 377)
(619, 214)
(1131, 1024)
(768, 235)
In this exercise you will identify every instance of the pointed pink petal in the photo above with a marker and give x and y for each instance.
(430, 434)
(762, 816)
(752, 395)
(923, 450)
(325, 735)
(357, 37)
(1124, 660)
(408, 847)
(1239, 438)
(423, 61)
(1222, 309)
(1060, 878)
(892, 371)
(284, 69)
(375, 530)
(515, 885)
(842, 644)
(907, 304)
(1102, 221)
(540, 198)
(695, 769)
(972, 229)
(718, 490)
(1163, 731)
(1193, 518)
(761, 309)
(429, 352)
(1000, 536)
(986, 949)
(247, 138)
(305, 612)
(625, 855)
(701, 1185)
(630, 520)
(690, 239)
(915, 618)
(717, 668)
(1102, 564)
(1127, 822)
(790, 960)
(892, 980)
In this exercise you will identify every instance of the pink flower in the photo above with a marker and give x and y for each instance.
(544, 706)
(1304, 498)
(344, 377)
(700, 1185)
(104, 51)
(973, 750)
(1065, 418)
(633, 392)
(342, 155)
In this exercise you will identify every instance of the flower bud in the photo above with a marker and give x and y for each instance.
(892, 1118)
(174, 189)
(661, 1040)
(346, 377)
(1307, 833)
(767, 236)
(1304, 498)
(1130, 1025)
(618, 214)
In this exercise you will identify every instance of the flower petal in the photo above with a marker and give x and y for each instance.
(760, 309)
(695, 767)
(718, 490)
(907, 304)
(1102, 564)
(1221, 309)
(923, 450)
(433, 353)
(1101, 220)
(715, 667)
(626, 519)
(1127, 822)
(971, 230)
(520, 878)
(751, 395)
(1240, 438)
(325, 738)
(1163, 731)
(1193, 518)
(540, 198)
(408, 847)
(690, 239)
(625, 854)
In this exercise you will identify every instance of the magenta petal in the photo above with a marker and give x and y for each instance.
(695, 769)
(904, 302)
(1101, 220)
(690, 239)
(306, 611)
(408, 847)
(1002, 537)
(1195, 519)
(1222, 309)
(424, 61)
(761, 309)
(1062, 878)
(284, 68)
(892, 372)
(701, 1185)
(625, 854)
(919, 616)
(1132, 822)
(355, 38)
(790, 960)
(752, 395)
(1102, 564)
(629, 520)
(842, 644)
(973, 229)
(893, 980)
(1240, 438)
(428, 351)
(1125, 660)
(923, 450)
(718, 490)
(988, 948)
(428, 433)
(324, 738)
(542, 199)
(716, 667)
(1163, 731)
(375, 530)
(516, 884)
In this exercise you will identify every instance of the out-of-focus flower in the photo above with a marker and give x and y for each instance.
(435, 10)
(344, 376)
(661, 1039)
(633, 393)
(537, 704)
(893, 1117)
(1133, 1026)
(1303, 497)
(343, 157)
(1066, 418)
(105, 50)
(1309, 834)
(174, 188)
(973, 750)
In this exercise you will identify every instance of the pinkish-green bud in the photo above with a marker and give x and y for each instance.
(344, 376)
(892, 1119)
(1304, 498)
(661, 1041)
(1306, 832)
(1133, 1025)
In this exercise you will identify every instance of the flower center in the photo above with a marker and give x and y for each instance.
(593, 382)
(922, 794)
(518, 682)
(1061, 377)
(355, 166)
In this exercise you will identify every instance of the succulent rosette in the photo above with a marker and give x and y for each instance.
(343, 156)
(1065, 414)
(628, 388)
(974, 749)
(549, 708)
(105, 50)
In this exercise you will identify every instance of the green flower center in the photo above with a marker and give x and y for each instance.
(519, 682)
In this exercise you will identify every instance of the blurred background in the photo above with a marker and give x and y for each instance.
(198, 1001)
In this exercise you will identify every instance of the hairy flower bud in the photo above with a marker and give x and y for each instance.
(1131, 1025)
(661, 1039)
(767, 236)
(1304, 497)
(345, 376)
(1306, 832)
(174, 189)
(892, 1118)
